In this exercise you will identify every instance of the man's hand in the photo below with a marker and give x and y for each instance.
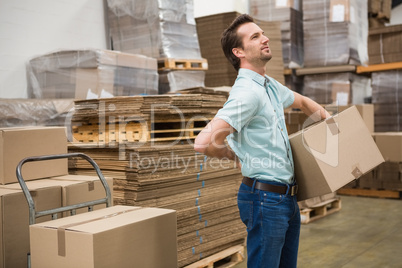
(211, 140)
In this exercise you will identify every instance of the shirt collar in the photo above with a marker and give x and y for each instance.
(262, 80)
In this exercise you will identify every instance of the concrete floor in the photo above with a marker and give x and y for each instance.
(365, 233)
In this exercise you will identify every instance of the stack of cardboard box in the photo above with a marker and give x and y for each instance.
(387, 176)
(91, 73)
(335, 32)
(35, 112)
(385, 44)
(158, 29)
(387, 100)
(289, 13)
(156, 165)
(339, 88)
(220, 71)
(48, 181)
(335, 37)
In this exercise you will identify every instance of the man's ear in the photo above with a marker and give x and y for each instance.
(238, 52)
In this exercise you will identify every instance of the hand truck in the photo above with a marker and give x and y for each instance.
(33, 214)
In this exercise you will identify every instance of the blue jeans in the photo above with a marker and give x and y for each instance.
(273, 227)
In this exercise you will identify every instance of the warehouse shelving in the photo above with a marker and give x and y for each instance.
(345, 68)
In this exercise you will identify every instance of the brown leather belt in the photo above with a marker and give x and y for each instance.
(269, 187)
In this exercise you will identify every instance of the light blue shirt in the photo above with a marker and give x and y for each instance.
(255, 109)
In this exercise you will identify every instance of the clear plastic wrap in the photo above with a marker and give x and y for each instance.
(34, 112)
(91, 73)
(385, 44)
(155, 28)
(335, 32)
(344, 88)
(172, 81)
(387, 99)
(291, 20)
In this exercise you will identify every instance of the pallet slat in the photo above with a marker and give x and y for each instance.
(182, 64)
(235, 255)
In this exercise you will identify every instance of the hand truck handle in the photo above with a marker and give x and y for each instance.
(34, 214)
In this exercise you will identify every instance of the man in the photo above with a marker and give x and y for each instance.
(253, 121)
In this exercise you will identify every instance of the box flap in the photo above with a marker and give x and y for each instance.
(81, 218)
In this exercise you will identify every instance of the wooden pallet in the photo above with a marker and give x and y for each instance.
(371, 193)
(224, 259)
(320, 210)
(182, 64)
(160, 130)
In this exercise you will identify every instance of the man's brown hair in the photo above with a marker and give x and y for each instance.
(230, 39)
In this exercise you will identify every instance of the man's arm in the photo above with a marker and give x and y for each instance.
(309, 107)
(211, 140)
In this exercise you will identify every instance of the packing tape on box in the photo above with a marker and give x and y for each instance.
(333, 127)
(61, 231)
(91, 186)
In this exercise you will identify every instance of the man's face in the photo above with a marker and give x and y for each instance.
(255, 43)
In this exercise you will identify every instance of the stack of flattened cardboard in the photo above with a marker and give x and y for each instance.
(155, 28)
(158, 29)
(337, 88)
(387, 99)
(91, 73)
(335, 32)
(385, 44)
(289, 14)
(166, 172)
(220, 72)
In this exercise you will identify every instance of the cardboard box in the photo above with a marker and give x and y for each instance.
(332, 153)
(19, 143)
(47, 193)
(366, 112)
(390, 145)
(79, 189)
(75, 189)
(118, 236)
(14, 220)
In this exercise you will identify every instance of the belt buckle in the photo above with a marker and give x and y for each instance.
(293, 190)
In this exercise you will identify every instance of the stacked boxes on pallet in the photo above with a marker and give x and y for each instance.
(340, 88)
(35, 112)
(148, 151)
(49, 184)
(220, 71)
(289, 13)
(158, 29)
(91, 73)
(385, 44)
(387, 99)
(387, 176)
(335, 32)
